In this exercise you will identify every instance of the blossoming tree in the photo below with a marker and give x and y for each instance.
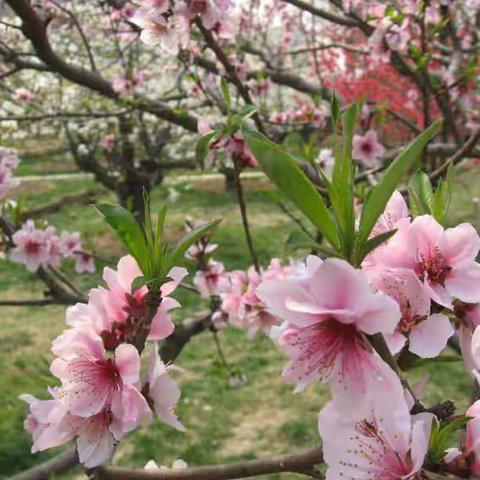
(386, 284)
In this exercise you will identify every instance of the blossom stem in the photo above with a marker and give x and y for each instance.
(243, 212)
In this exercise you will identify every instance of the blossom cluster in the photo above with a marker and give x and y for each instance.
(8, 163)
(102, 396)
(35, 247)
(414, 290)
(170, 27)
(233, 146)
(304, 114)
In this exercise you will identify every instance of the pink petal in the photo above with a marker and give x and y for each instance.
(127, 362)
(337, 285)
(95, 444)
(274, 294)
(177, 274)
(395, 342)
(460, 244)
(426, 232)
(420, 437)
(464, 283)
(162, 325)
(430, 337)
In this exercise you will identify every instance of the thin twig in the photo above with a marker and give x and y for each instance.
(243, 212)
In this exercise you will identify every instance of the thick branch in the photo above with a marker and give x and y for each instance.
(463, 152)
(34, 29)
(298, 463)
(230, 70)
(26, 303)
(53, 467)
(318, 12)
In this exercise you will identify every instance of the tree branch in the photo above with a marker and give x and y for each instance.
(34, 29)
(53, 467)
(298, 463)
(323, 13)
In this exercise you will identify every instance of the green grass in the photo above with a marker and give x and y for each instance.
(224, 424)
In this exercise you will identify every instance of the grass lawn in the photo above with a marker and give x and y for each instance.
(224, 424)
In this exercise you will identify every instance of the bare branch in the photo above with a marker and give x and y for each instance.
(26, 303)
(53, 467)
(298, 463)
(464, 151)
(323, 13)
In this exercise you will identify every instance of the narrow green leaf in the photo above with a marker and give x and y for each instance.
(345, 181)
(381, 193)
(176, 253)
(246, 112)
(375, 242)
(128, 230)
(293, 183)
(226, 94)
(420, 184)
(137, 283)
(443, 196)
(334, 109)
(202, 147)
(415, 204)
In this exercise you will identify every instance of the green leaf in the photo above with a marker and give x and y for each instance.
(443, 196)
(176, 253)
(137, 283)
(226, 94)
(293, 183)
(381, 193)
(421, 192)
(236, 121)
(334, 109)
(375, 242)
(343, 178)
(202, 147)
(128, 230)
(246, 112)
(443, 435)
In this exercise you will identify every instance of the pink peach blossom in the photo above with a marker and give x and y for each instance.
(468, 316)
(92, 381)
(162, 391)
(24, 95)
(444, 260)
(51, 425)
(209, 281)
(327, 316)
(84, 263)
(31, 247)
(367, 149)
(326, 161)
(71, 243)
(111, 311)
(472, 444)
(109, 141)
(379, 439)
(427, 334)
(170, 32)
(8, 163)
